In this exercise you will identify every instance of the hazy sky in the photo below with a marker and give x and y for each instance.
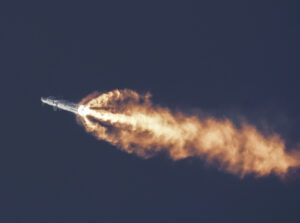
(224, 58)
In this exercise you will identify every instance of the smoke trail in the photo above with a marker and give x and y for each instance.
(130, 121)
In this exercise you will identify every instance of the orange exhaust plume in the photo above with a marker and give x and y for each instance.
(130, 121)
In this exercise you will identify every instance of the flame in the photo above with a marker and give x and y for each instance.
(130, 121)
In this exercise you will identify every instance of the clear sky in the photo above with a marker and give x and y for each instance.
(224, 58)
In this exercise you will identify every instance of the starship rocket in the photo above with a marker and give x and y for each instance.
(59, 104)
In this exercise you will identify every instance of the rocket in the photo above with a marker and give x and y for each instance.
(60, 104)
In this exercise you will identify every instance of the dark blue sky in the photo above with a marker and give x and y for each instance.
(225, 58)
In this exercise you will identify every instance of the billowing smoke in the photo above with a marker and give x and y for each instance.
(133, 123)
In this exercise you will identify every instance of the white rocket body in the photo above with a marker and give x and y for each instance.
(60, 104)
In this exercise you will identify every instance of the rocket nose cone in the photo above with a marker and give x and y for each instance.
(43, 99)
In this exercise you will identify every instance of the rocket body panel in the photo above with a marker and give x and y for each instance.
(60, 104)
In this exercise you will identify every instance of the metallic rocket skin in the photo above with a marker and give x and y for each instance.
(60, 104)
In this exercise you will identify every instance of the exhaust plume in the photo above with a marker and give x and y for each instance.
(130, 121)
